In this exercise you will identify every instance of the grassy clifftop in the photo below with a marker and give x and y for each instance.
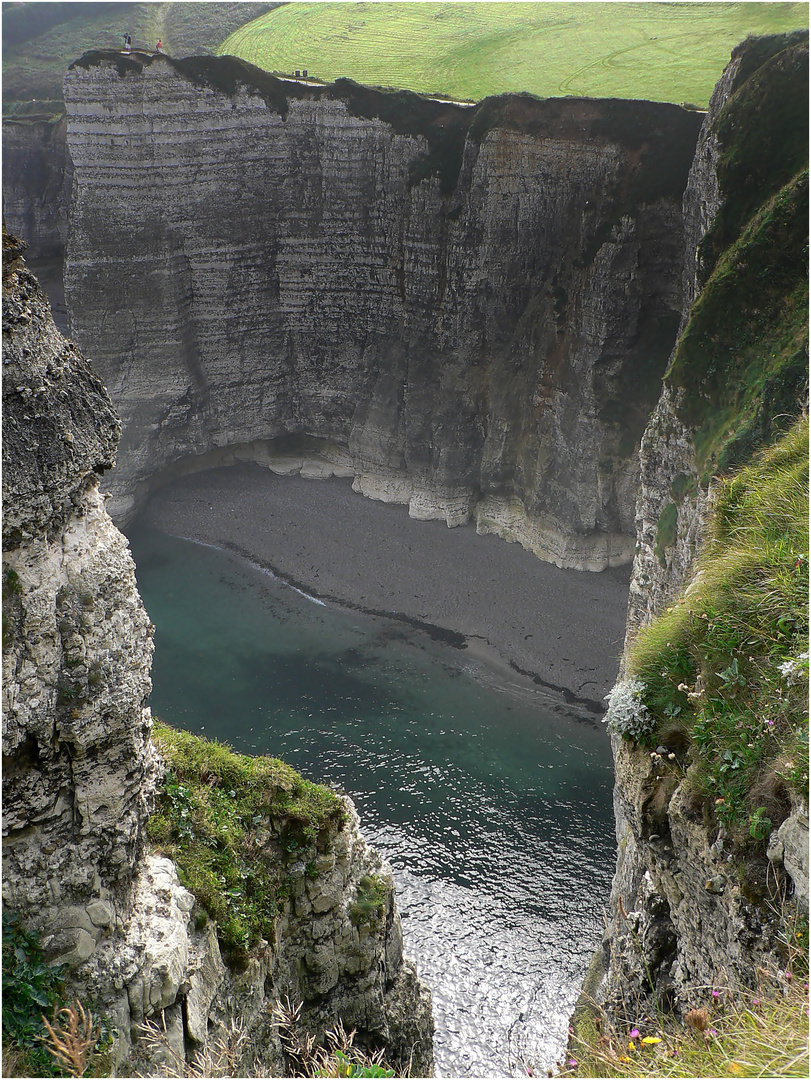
(661, 52)
(231, 823)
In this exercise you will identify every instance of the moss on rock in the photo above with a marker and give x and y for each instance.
(743, 356)
(231, 823)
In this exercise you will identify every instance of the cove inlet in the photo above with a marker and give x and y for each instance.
(491, 801)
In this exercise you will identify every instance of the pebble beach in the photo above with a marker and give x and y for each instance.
(536, 628)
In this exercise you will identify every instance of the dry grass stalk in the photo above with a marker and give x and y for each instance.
(219, 1060)
(309, 1059)
(71, 1040)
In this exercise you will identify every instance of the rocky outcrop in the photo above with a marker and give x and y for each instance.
(38, 45)
(681, 917)
(676, 475)
(681, 914)
(77, 643)
(471, 307)
(671, 505)
(168, 964)
(672, 508)
(80, 769)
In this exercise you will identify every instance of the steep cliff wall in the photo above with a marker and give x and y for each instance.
(471, 309)
(690, 904)
(37, 180)
(38, 45)
(80, 770)
(740, 371)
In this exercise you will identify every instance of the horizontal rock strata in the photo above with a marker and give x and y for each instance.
(36, 184)
(77, 643)
(475, 305)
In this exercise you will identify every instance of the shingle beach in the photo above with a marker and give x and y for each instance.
(557, 631)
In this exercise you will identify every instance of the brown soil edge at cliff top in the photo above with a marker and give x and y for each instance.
(660, 136)
(554, 633)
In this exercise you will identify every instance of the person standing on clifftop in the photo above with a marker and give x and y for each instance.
(159, 47)
(127, 43)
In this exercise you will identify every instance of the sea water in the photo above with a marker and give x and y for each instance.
(493, 807)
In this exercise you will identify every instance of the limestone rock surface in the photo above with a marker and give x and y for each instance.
(680, 916)
(36, 184)
(59, 428)
(475, 305)
(77, 644)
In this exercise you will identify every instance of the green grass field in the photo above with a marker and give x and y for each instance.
(658, 51)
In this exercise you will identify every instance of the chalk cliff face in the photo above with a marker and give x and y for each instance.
(37, 184)
(469, 309)
(77, 643)
(679, 915)
(682, 446)
(80, 770)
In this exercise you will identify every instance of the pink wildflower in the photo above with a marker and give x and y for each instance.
(634, 1033)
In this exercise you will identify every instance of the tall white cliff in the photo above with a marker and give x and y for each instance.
(466, 310)
(680, 916)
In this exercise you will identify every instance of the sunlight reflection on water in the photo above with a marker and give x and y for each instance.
(495, 811)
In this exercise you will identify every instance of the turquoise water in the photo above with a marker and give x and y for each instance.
(494, 810)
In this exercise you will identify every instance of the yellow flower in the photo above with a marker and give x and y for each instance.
(625, 1060)
(734, 1069)
(631, 1046)
(650, 1040)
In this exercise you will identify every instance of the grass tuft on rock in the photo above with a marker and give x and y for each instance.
(231, 823)
(371, 900)
(746, 1033)
(728, 663)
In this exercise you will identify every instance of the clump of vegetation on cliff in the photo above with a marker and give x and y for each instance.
(725, 669)
(30, 987)
(230, 822)
(338, 1056)
(750, 1033)
(370, 903)
(74, 1042)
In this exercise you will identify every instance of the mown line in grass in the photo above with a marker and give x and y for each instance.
(470, 51)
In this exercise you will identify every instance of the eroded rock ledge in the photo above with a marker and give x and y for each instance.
(475, 305)
(80, 770)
